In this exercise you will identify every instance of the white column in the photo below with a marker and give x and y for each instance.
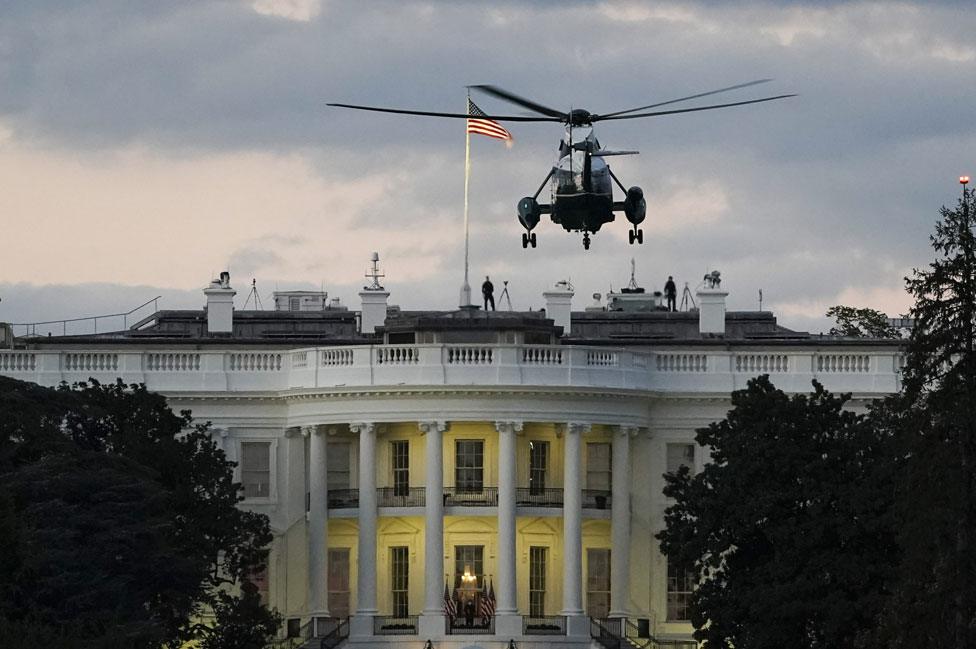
(366, 583)
(507, 620)
(573, 521)
(620, 522)
(432, 621)
(318, 522)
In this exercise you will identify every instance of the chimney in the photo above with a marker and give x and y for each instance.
(374, 299)
(711, 305)
(220, 305)
(559, 305)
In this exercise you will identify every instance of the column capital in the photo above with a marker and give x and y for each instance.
(360, 427)
(438, 426)
(626, 431)
(578, 427)
(299, 431)
(513, 426)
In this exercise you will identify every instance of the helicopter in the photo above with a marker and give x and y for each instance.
(581, 181)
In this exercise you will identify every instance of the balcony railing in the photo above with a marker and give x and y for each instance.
(477, 626)
(546, 625)
(468, 497)
(534, 497)
(389, 625)
(596, 499)
(343, 498)
(397, 497)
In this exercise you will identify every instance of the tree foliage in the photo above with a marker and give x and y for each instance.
(860, 323)
(788, 528)
(933, 420)
(120, 524)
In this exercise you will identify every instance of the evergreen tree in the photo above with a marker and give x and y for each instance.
(935, 593)
(788, 527)
(120, 524)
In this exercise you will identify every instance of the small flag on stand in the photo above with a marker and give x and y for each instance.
(479, 123)
(450, 606)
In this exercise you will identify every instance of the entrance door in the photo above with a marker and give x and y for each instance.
(339, 582)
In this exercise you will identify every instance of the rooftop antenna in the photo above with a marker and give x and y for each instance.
(374, 274)
(254, 294)
(760, 299)
(633, 272)
(505, 295)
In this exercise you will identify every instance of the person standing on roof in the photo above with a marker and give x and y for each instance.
(671, 293)
(488, 292)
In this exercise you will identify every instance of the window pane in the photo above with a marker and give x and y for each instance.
(538, 464)
(339, 582)
(680, 455)
(337, 465)
(681, 583)
(399, 577)
(598, 582)
(256, 469)
(598, 466)
(537, 581)
(400, 462)
(469, 465)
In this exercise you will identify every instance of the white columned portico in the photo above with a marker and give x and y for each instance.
(573, 530)
(362, 622)
(507, 620)
(318, 522)
(432, 619)
(620, 522)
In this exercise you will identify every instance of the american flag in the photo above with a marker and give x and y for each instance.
(478, 123)
(488, 601)
(450, 606)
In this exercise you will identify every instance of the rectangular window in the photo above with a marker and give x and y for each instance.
(337, 465)
(679, 455)
(259, 578)
(400, 461)
(680, 585)
(538, 464)
(598, 582)
(469, 465)
(256, 469)
(399, 576)
(469, 561)
(598, 466)
(537, 580)
(339, 582)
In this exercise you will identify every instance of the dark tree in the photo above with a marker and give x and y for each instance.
(935, 600)
(860, 323)
(121, 522)
(788, 528)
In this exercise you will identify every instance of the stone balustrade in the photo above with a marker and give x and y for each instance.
(864, 371)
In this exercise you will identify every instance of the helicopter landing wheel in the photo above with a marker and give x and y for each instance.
(631, 237)
(640, 236)
(532, 239)
(586, 241)
(525, 240)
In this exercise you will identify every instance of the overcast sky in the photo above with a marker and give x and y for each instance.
(146, 146)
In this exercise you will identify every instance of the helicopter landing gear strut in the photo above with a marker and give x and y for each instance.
(636, 235)
(528, 239)
(586, 241)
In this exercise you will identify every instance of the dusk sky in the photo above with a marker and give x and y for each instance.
(146, 146)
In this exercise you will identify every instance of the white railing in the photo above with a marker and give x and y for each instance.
(761, 363)
(872, 372)
(172, 362)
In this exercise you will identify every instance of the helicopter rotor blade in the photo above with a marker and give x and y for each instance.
(505, 95)
(427, 113)
(680, 99)
(693, 110)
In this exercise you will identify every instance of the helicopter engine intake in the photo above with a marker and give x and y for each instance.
(635, 207)
(529, 212)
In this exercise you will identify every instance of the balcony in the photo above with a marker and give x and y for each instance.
(400, 497)
(535, 497)
(596, 499)
(477, 626)
(343, 498)
(470, 497)
(390, 625)
(545, 625)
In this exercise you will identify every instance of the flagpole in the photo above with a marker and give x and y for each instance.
(466, 288)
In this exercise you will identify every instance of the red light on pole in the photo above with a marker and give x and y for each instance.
(963, 180)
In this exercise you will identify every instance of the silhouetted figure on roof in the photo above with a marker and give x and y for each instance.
(671, 293)
(488, 292)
